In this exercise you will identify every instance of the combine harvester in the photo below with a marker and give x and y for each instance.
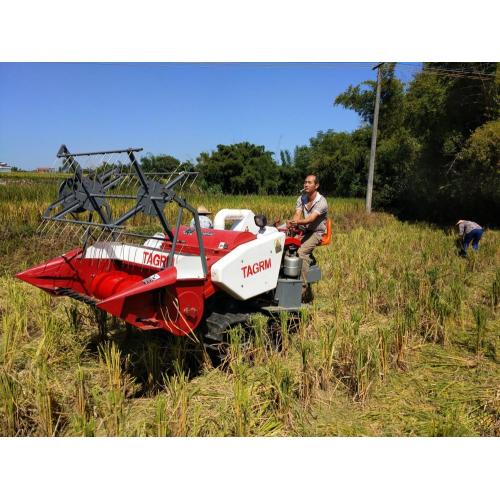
(181, 280)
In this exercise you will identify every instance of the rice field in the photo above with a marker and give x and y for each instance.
(401, 340)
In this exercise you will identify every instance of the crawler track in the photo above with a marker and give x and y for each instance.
(216, 333)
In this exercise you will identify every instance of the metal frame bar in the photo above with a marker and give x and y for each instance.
(68, 154)
(110, 179)
(145, 186)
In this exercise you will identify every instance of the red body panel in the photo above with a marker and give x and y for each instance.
(215, 241)
(143, 295)
(290, 240)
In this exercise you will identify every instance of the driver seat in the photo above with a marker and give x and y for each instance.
(327, 237)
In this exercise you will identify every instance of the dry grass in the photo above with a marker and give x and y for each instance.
(402, 339)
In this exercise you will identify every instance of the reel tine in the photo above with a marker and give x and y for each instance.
(107, 163)
(98, 238)
(135, 181)
(127, 181)
(91, 237)
(128, 256)
(171, 175)
(123, 180)
(41, 227)
(85, 165)
(46, 230)
(72, 232)
(100, 251)
(123, 172)
(69, 233)
(50, 228)
(78, 233)
(183, 182)
(85, 236)
(195, 176)
(64, 230)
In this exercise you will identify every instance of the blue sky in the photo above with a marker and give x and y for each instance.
(169, 108)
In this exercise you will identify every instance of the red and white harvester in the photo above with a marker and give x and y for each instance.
(182, 280)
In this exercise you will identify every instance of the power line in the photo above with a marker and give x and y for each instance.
(455, 73)
(451, 70)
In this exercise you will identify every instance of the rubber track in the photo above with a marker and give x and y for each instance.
(218, 323)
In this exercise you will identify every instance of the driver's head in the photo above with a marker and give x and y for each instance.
(311, 183)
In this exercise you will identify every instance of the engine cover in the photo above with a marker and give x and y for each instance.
(252, 268)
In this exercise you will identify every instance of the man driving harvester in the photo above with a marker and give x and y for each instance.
(311, 212)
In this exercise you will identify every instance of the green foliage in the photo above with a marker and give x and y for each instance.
(246, 168)
(286, 159)
(438, 142)
(476, 171)
(482, 150)
(340, 159)
(161, 163)
(302, 158)
(239, 168)
(361, 99)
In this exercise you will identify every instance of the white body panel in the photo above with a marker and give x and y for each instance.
(188, 266)
(266, 230)
(155, 242)
(251, 268)
(243, 220)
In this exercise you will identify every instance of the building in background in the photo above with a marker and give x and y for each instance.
(4, 167)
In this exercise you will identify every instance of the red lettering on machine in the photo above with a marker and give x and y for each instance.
(154, 259)
(252, 269)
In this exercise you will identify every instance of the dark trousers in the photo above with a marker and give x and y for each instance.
(473, 237)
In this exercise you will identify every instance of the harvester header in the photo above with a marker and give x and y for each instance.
(133, 263)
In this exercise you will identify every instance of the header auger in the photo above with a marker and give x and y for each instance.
(183, 280)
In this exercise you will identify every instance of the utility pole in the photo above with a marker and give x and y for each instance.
(371, 168)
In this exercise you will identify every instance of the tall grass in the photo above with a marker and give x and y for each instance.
(402, 339)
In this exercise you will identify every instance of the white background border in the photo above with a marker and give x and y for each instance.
(223, 30)
(260, 30)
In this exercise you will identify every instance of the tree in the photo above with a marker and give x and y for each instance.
(444, 106)
(292, 170)
(438, 141)
(239, 168)
(395, 146)
(302, 158)
(361, 99)
(476, 173)
(340, 159)
(286, 158)
(160, 163)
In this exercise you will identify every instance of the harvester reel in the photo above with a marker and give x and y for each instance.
(75, 190)
(156, 190)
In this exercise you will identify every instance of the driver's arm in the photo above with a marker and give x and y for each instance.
(297, 215)
(297, 218)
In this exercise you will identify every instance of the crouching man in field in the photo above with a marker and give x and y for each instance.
(311, 212)
(469, 232)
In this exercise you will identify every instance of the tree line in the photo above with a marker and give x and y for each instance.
(437, 156)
